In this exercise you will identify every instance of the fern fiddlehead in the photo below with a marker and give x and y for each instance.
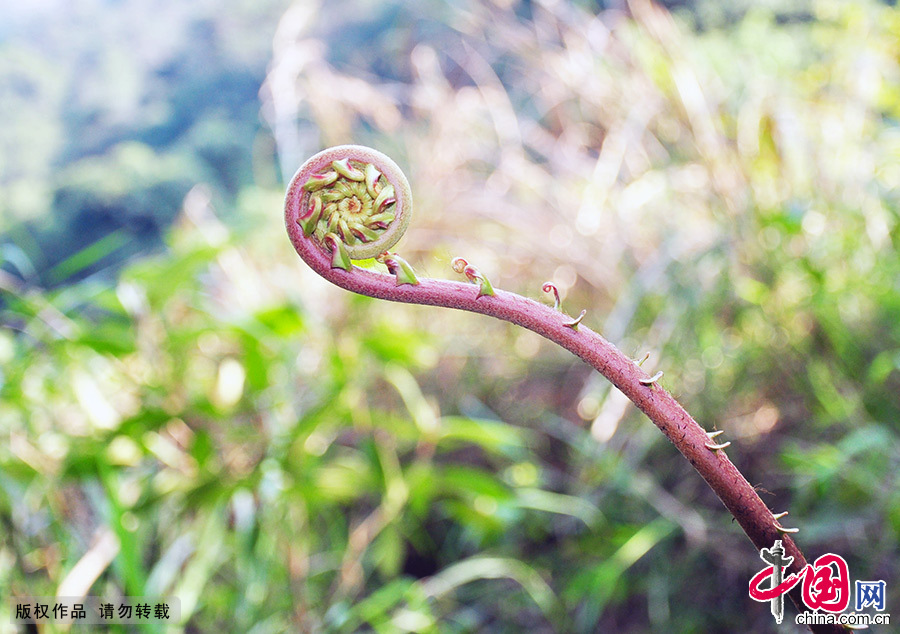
(352, 202)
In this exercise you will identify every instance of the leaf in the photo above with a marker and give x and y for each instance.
(594, 585)
(468, 482)
(476, 568)
(551, 502)
(491, 435)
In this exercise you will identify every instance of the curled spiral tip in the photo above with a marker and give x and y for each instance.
(354, 193)
(330, 241)
(347, 170)
(458, 264)
(547, 288)
(399, 268)
(318, 181)
(340, 259)
(484, 284)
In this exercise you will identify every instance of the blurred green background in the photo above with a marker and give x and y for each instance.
(186, 410)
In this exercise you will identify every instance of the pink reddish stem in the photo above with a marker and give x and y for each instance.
(738, 496)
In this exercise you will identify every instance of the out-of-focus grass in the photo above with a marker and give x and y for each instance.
(223, 426)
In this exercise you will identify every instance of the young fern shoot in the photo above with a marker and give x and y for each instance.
(352, 202)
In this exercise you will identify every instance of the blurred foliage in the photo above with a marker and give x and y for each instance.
(214, 422)
(113, 111)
